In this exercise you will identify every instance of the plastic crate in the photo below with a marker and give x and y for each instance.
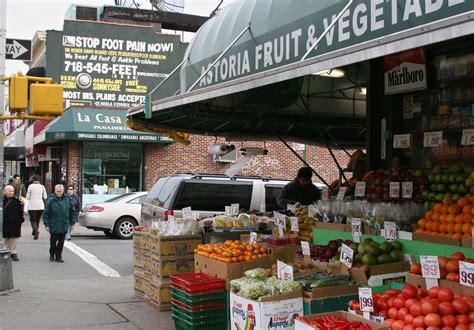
(194, 308)
(181, 324)
(200, 299)
(197, 283)
(207, 318)
(198, 313)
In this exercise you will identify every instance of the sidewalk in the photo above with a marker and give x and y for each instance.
(71, 295)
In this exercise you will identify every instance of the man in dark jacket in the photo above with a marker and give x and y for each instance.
(59, 214)
(300, 190)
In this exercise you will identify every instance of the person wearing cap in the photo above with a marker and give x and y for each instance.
(300, 190)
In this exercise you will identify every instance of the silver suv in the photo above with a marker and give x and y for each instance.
(209, 194)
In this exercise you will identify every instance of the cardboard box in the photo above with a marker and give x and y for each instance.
(467, 242)
(326, 305)
(302, 325)
(229, 271)
(333, 226)
(174, 246)
(164, 268)
(138, 260)
(436, 239)
(278, 312)
(394, 272)
(137, 240)
(139, 284)
(158, 293)
(285, 253)
(420, 282)
(332, 291)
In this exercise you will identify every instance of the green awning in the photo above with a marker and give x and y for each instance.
(97, 125)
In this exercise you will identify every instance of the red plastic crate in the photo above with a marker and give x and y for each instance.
(197, 283)
(195, 308)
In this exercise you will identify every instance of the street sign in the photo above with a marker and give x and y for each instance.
(17, 49)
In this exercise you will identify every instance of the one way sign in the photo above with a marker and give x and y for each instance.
(17, 49)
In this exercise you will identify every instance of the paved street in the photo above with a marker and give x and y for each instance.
(50, 295)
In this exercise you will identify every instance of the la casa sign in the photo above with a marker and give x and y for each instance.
(405, 71)
(100, 118)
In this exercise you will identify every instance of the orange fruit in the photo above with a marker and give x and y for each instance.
(436, 216)
(467, 218)
(457, 236)
(450, 228)
(437, 207)
(459, 218)
(463, 201)
(427, 232)
(435, 226)
(466, 228)
(471, 199)
(458, 228)
(429, 215)
(428, 225)
(448, 200)
(443, 217)
(450, 218)
(454, 209)
(434, 234)
(467, 235)
(444, 209)
(467, 209)
(419, 231)
(442, 228)
(421, 223)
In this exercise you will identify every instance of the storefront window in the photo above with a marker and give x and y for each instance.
(110, 170)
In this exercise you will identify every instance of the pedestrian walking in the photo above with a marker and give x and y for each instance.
(59, 214)
(20, 190)
(12, 220)
(77, 205)
(35, 197)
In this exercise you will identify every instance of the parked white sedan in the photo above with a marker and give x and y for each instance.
(116, 216)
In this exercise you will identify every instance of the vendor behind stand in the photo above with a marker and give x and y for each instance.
(300, 190)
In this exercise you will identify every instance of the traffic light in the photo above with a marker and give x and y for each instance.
(18, 94)
(46, 100)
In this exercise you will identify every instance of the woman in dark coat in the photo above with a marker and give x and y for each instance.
(12, 220)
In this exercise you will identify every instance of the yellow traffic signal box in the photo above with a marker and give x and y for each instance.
(46, 100)
(18, 94)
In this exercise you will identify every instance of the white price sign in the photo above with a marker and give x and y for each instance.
(360, 189)
(294, 224)
(291, 208)
(341, 193)
(228, 210)
(466, 274)
(394, 189)
(407, 189)
(467, 137)
(284, 271)
(365, 299)
(401, 141)
(433, 139)
(356, 224)
(430, 266)
(280, 219)
(253, 237)
(305, 248)
(347, 255)
(390, 230)
(325, 194)
(187, 212)
(235, 208)
(195, 215)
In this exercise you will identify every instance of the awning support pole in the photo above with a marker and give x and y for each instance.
(327, 30)
(219, 57)
(304, 161)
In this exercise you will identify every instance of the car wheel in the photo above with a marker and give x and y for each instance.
(108, 233)
(124, 228)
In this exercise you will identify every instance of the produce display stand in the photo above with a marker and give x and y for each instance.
(221, 236)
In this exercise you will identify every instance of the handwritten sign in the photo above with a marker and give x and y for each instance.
(341, 193)
(253, 237)
(365, 299)
(467, 137)
(466, 274)
(433, 139)
(280, 219)
(235, 208)
(305, 248)
(294, 224)
(360, 189)
(394, 190)
(407, 189)
(402, 141)
(187, 212)
(347, 256)
(356, 224)
(284, 271)
(228, 210)
(390, 230)
(430, 266)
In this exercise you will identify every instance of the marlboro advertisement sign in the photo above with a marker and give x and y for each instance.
(405, 71)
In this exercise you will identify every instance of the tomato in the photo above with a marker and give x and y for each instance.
(445, 295)
(442, 262)
(382, 304)
(419, 321)
(385, 296)
(460, 306)
(458, 256)
(409, 291)
(354, 304)
(388, 322)
(471, 326)
(451, 276)
(415, 310)
(443, 273)
(399, 302)
(471, 317)
(449, 320)
(390, 302)
(447, 328)
(409, 319)
(429, 307)
(433, 328)
(446, 308)
(461, 327)
(398, 325)
(409, 327)
(462, 319)
(470, 301)
(452, 266)
(392, 292)
(393, 313)
(402, 312)
(432, 319)
(410, 302)
(415, 269)
(433, 292)
(383, 313)
(422, 293)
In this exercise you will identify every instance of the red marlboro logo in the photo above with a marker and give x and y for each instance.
(405, 71)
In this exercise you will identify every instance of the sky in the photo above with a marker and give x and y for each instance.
(25, 17)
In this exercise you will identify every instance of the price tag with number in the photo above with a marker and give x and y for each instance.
(325, 194)
(356, 229)
(284, 271)
(433, 139)
(341, 193)
(407, 189)
(394, 189)
(280, 219)
(305, 248)
(401, 141)
(253, 237)
(235, 208)
(430, 266)
(291, 208)
(294, 224)
(390, 230)
(365, 299)
(466, 274)
(228, 210)
(187, 213)
(360, 189)
(347, 255)
(467, 137)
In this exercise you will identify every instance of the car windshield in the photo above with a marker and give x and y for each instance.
(118, 198)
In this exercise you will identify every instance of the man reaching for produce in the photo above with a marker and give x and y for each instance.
(300, 190)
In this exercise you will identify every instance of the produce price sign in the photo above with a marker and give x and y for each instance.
(187, 212)
(407, 189)
(390, 230)
(360, 189)
(284, 271)
(280, 219)
(466, 274)
(356, 229)
(347, 255)
(253, 237)
(467, 137)
(430, 270)
(341, 193)
(228, 210)
(235, 208)
(195, 215)
(305, 248)
(366, 301)
(394, 189)
(294, 224)
(402, 141)
(291, 208)
(433, 139)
